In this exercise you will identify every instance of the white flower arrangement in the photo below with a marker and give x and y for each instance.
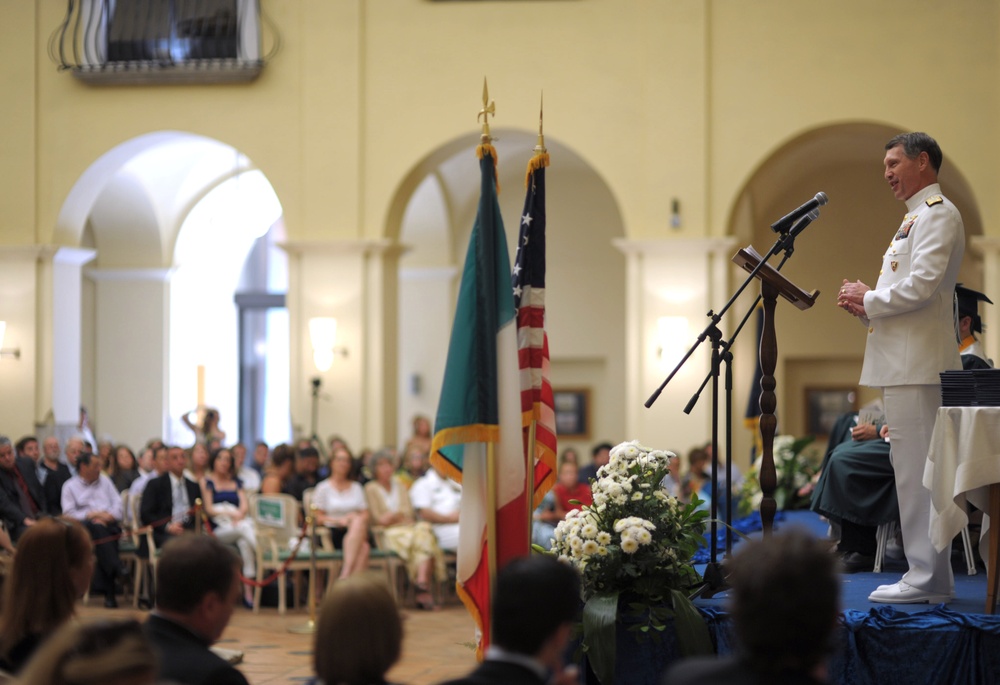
(635, 542)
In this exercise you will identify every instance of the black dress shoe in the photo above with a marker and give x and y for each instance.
(110, 602)
(856, 562)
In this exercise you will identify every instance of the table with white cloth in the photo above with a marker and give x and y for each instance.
(963, 465)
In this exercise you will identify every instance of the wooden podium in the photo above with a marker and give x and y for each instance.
(772, 284)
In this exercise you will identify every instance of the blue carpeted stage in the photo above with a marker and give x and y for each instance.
(911, 644)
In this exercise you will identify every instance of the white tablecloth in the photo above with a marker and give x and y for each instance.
(964, 460)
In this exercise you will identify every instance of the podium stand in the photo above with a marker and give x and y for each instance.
(772, 284)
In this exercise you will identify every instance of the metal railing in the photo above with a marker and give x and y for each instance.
(162, 41)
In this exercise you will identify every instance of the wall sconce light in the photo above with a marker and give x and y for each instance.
(672, 338)
(323, 335)
(7, 352)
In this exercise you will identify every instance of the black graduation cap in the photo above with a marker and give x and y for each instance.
(968, 305)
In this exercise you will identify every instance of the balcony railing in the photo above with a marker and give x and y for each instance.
(162, 41)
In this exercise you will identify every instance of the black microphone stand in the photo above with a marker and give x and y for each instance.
(713, 577)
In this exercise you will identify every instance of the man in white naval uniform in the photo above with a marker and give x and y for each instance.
(912, 337)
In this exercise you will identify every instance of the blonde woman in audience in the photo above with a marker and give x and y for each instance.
(359, 635)
(104, 653)
(51, 570)
(341, 506)
(226, 504)
(413, 541)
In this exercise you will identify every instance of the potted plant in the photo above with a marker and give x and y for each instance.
(633, 548)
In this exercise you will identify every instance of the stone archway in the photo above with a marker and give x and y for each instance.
(130, 207)
(432, 214)
(823, 347)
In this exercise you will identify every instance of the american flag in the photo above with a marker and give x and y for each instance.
(528, 280)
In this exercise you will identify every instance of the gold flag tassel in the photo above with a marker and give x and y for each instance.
(485, 140)
(541, 158)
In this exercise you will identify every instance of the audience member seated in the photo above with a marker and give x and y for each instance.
(359, 635)
(600, 455)
(27, 448)
(75, 446)
(570, 454)
(341, 507)
(249, 478)
(52, 473)
(569, 492)
(197, 589)
(438, 500)
(534, 611)
(544, 520)
(856, 489)
(413, 541)
(784, 603)
(168, 500)
(420, 441)
(261, 453)
(91, 498)
(102, 653)
(699, 474)
(278, 474)
(306, 472)
(123, 468)
(157, 467)
(197, 462)
(22, 499)
(52, 569)
(414, 465)
(226, 506)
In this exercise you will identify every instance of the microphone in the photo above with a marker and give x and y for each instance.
(782, 224)
(801, 224)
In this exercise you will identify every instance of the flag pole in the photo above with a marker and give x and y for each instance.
(532, 453)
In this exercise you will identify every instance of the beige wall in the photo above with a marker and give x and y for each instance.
(684, 99)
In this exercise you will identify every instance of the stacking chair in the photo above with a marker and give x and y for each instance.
(887, 531)
(143, 565)
(276, 520)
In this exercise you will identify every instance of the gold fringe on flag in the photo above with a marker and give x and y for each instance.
(534, 164)
(488, 149)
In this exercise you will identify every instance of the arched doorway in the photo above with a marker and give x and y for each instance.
(432, 215)
(179, 224)
(823, 347)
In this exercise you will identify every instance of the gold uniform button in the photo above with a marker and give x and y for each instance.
(871, 329)
(880, 272)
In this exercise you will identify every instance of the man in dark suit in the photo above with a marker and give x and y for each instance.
(167, 500)
(535, 606)
(21, 495)
(197, 588)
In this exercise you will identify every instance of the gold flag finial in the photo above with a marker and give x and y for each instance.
(540, 147)
(489, 108)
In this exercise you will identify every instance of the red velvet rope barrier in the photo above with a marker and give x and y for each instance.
(200, 511)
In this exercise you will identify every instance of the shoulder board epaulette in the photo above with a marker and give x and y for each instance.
(934, 200)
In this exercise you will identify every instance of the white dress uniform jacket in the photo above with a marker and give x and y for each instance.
(910, 314)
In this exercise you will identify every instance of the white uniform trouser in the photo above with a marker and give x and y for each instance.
(910, 411)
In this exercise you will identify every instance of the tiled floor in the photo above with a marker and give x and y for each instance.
(436, 646)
